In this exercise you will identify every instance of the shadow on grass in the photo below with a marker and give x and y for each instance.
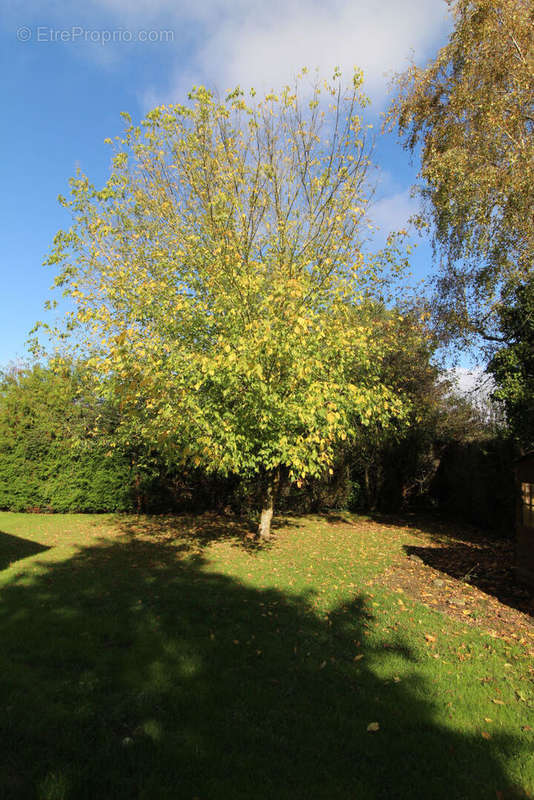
(489, 567)
(469, 554)
(197, 531)
(439, 528)
(128, 672)
(13, 548)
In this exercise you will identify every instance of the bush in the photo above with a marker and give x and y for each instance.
(48, 459)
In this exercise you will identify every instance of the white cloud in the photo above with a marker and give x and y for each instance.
(271, 43)
(392, 212)
(264, 43)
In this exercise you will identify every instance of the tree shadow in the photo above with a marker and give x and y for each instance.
(480, 558)
(490, 567)
(441, 529)
(197, 531)
(14, 548)
(130, 671)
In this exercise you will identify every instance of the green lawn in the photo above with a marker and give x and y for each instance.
(161, 658)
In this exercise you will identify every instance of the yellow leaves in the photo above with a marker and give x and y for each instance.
(217, 324)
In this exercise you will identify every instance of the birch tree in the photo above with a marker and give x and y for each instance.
(469, 116)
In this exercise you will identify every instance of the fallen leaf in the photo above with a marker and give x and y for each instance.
(498, 702)
(373, 726)
(429, 637)
(486, 735)
(358, 657)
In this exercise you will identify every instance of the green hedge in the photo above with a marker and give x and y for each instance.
(48, 458)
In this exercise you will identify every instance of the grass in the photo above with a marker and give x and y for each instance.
(161, 658)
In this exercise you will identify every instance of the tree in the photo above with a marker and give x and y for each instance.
(471, 111)
(512, 366)
(386, 462)
(395, 466)
(216, 276)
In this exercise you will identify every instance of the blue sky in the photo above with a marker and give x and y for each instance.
(69, 69)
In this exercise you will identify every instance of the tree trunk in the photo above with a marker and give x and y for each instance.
(270, 487)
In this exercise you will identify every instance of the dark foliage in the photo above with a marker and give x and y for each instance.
(512, 366)
(475, 483)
